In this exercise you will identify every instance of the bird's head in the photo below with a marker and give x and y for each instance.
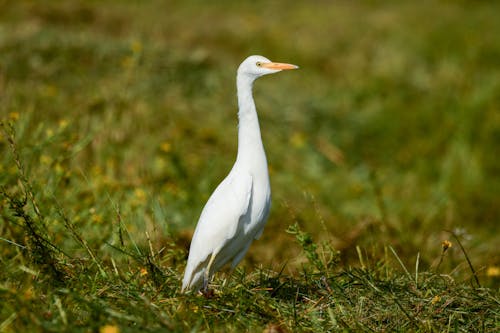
(256, 66)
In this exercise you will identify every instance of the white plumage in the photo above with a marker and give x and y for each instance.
(237, 210)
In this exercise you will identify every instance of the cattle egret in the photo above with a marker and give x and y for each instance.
(237, 210)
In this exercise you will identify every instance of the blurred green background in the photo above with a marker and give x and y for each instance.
(389, 134)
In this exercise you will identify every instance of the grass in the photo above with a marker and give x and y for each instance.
(118, 119)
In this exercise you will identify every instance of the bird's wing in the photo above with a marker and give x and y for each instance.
(221, 214)
(219, 221)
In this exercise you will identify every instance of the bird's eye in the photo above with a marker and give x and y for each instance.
(258, 64)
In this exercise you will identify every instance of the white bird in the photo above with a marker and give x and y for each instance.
(237, 210)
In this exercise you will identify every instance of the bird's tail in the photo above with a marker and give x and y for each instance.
(192, 280)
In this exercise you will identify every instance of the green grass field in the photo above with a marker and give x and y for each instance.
(118, 119)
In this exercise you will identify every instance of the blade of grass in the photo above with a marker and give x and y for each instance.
(400, 262)
(416, 269)
(466, 257)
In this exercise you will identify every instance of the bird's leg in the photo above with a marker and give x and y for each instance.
(205, 285)
(206, 278)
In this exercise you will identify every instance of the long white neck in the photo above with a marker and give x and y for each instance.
(250, 147)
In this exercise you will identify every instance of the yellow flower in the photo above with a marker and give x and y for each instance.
(136, 46)
(140, 194)
(109, 329)
(127, 62)
(166, 147)
(435, 299)
(59, 168)
(63, 123)
(45, 159)
(493, 271)
(144, 272)
(446, 244)
(29, 294)
(14, 116)
(297, 140)
(96, 218)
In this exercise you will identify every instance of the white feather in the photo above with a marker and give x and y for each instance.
(237, 210)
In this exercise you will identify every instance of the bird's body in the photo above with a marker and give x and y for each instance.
(237, 210)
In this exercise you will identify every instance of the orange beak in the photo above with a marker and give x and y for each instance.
(278, 66)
